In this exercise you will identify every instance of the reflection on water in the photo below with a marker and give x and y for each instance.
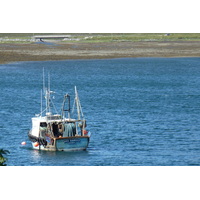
(57, 158)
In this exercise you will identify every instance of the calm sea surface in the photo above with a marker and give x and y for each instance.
(140, 111)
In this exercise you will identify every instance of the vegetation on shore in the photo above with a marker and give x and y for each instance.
(2, 158)
(24, 47)
(102, 37)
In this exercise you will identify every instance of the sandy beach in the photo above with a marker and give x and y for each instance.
(12, 52)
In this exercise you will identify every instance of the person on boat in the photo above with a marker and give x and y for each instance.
(60, 130)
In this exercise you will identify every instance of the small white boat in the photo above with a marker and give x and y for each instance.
(58, 132)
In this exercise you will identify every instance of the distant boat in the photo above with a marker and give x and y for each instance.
(58, 132)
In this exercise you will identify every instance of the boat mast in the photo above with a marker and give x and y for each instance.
(41, 94)
(46, 92)
(47, 97)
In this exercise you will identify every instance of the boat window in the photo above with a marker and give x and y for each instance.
(43, 129)
(43, 124)
(54, 117)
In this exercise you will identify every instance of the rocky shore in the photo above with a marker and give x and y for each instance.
(40, 51)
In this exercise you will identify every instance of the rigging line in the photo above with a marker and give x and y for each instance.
(73, 108)
(54, 106)
(49, 82)
(43, 112)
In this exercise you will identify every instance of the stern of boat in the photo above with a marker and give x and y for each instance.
(72, 143)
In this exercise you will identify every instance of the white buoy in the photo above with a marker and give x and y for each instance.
(23, 143)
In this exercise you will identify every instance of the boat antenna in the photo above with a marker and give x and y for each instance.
(48, 91)
(41, 104)
(43, 81)
(41, 93)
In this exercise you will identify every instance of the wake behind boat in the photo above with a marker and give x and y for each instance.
(56, 132)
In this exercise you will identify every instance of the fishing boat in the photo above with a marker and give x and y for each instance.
(59, 132)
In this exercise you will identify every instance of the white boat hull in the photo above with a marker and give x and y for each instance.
(76, 143)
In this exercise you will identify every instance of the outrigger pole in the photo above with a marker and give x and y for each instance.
(77, 104)
(79, 110)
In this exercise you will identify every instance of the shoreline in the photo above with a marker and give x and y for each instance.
(44, 51)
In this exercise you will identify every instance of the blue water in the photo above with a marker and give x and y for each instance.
(140, 111)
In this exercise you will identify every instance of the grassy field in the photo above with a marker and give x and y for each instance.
(144, 37)
(104, 37)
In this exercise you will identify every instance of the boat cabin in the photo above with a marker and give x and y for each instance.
(54, 126)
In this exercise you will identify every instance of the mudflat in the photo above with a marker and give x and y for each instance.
(12, 52)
